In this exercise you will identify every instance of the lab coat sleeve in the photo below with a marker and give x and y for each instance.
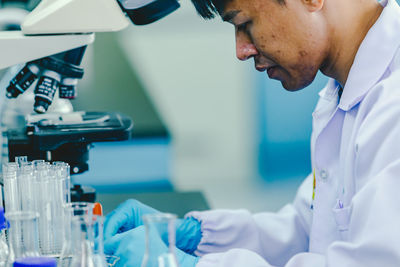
(272, 236)
(371, 236)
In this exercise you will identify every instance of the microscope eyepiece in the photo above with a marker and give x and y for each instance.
(150, 12)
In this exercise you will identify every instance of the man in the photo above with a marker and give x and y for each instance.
(347, 212)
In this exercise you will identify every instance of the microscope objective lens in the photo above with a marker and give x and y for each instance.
(68, 88)
(45, 90)
(23, 80)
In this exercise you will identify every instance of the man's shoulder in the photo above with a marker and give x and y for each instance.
(394, 66)
(385, 94)
(389, 84)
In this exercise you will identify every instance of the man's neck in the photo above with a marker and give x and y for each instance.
(351, 21)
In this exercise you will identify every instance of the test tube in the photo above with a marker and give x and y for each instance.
(20, 160)
(64, 179)
(37, 163)
(44, 200)
(11, 190)
(51, 211)
(57, 209)
(27, 187)
(42, 188)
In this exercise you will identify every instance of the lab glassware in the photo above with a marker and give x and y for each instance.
(111, 260)
(27, 186)
(64, 179)
(160, 226)
(3, 243)
(84, 252)
(11, 190)
(21, 160)
(97, 240)
(83, 210)
(50, 207)
(22, 235)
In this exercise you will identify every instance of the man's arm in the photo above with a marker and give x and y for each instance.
(273, 236)
(374, 238)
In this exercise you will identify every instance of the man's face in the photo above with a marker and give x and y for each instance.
(286, 40)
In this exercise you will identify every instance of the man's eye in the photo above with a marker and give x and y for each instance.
(243, 26)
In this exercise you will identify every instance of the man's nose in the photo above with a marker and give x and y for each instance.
(245, 49)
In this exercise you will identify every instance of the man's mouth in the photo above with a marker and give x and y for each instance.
(261, 68)
(271, 71)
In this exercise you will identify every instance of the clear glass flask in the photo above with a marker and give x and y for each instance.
(70, 211)
(85, 252)
(160, 225)
(22, 234)
(83, 237)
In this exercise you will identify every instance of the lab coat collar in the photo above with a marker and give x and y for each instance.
(330, 92)
(374, 55)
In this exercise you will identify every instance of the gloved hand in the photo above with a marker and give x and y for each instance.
(130, 247)
(128, 215)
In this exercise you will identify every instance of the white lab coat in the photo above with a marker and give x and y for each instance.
(355, 144)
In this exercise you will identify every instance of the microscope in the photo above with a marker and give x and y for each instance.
(48, 48)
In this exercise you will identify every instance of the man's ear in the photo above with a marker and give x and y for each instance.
(313, 5)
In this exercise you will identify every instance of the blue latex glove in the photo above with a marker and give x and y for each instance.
(130, 247)
(128, 215)
(125, 217)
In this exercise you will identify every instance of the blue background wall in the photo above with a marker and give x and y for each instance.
(284, 121)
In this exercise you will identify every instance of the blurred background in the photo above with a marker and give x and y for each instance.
(203, 119)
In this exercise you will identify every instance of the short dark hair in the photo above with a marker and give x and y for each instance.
(208, 9)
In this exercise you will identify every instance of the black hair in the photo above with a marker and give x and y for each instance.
(208, 9)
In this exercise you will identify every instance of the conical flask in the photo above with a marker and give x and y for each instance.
(160, 225)
(71, 211)
(82, 244)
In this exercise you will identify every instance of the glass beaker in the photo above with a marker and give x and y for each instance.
(160, 225)
(22, 235)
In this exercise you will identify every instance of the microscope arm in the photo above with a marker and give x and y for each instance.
(55, 26)
(16, 48)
